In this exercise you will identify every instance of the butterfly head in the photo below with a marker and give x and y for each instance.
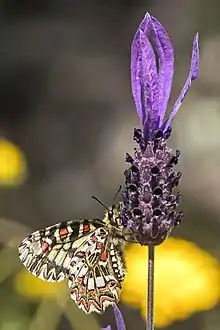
(113, 215)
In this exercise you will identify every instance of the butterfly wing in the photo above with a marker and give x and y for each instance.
(47, 253)
(96, 272)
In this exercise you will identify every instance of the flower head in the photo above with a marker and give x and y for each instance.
(149, 197)
(13, 166)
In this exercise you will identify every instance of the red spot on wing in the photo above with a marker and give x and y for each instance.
(84, 288)
(94, 238)
(80, 254)
(86, 228)
(99, 245)
(63, 232)
(45, 246)
(103, 256)
(92, 293)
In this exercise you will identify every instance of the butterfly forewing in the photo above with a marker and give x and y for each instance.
(47, 253)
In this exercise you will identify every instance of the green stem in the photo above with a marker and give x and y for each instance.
(150, 293)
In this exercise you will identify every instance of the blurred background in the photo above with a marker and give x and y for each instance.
(67, 119)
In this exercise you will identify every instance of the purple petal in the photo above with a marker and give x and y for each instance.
(144, 73)
(193, 74)
(119, 318)
(144, 26)
(165, 54)
(136, 69)
(107, 328)
(149, 78)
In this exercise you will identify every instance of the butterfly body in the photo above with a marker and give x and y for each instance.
(87, 252)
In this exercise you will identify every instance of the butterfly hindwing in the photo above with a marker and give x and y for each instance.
(96, 272)
(47, 253)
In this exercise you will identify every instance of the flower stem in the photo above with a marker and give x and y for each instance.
(150, 293)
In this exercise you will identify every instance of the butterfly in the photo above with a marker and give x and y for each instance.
(87, 252)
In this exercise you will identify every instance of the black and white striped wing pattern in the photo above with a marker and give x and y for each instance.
(47, 253)
(88, 252)
(96, 272)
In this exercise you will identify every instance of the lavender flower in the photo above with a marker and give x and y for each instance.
(149, 198)
(118, 318)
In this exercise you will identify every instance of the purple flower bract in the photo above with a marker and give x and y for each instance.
(119, 319)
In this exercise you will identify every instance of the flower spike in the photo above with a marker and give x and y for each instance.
(149, 197)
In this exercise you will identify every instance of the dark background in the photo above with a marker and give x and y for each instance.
(65, 99)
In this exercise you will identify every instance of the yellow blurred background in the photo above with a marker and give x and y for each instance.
(67, 118)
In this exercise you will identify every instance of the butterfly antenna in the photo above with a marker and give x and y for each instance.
(118, 191)
(98, 200)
